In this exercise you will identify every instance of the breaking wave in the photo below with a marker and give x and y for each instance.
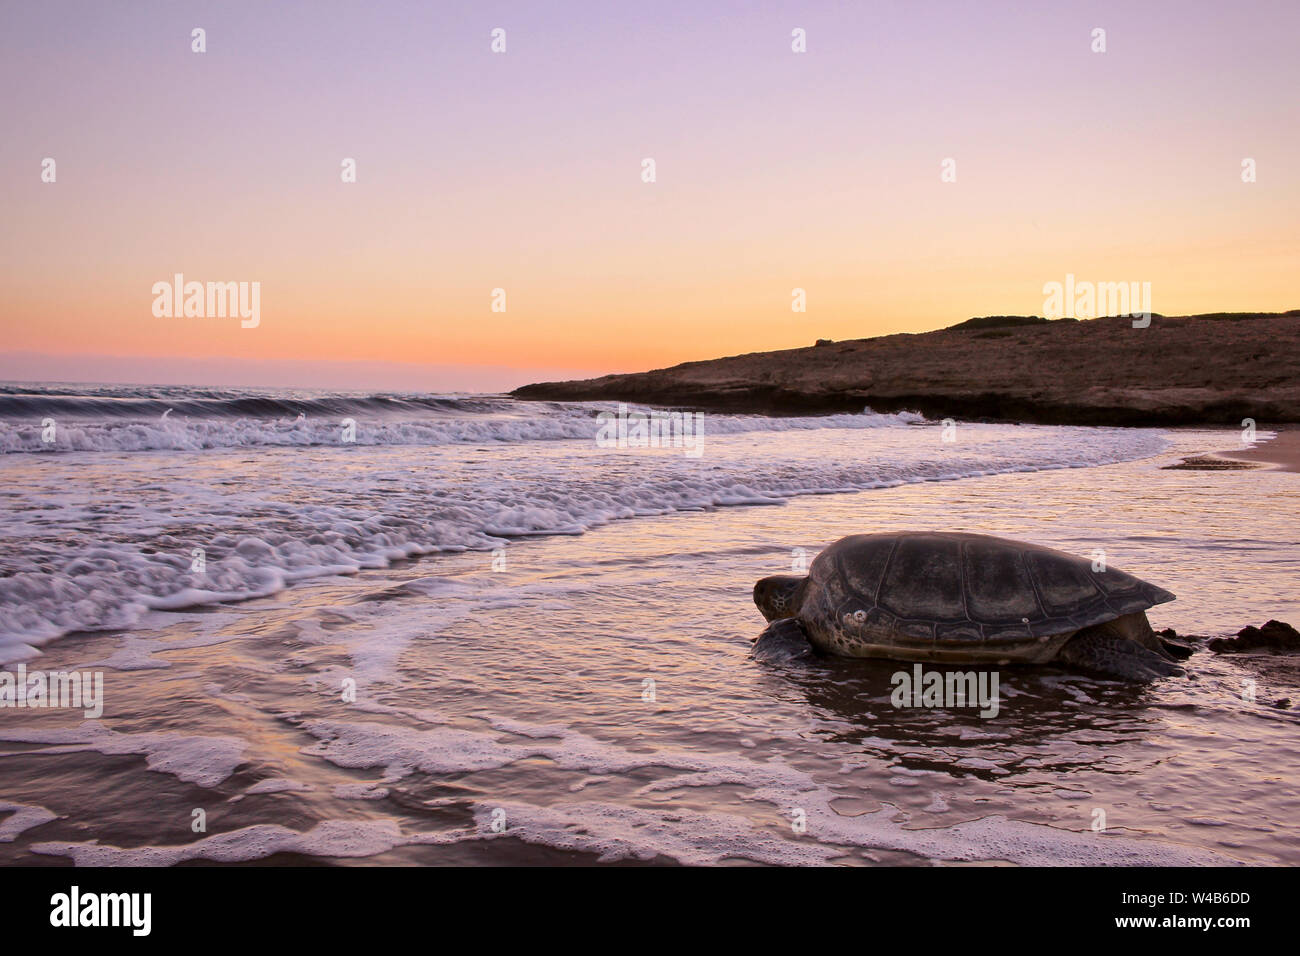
(127, 419)
(93, 543)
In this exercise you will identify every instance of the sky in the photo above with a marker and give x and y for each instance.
(523, 171)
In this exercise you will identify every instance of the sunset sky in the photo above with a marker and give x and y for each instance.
(522, 171)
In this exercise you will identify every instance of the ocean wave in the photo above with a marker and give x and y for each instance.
(103, 559)
(45, 424)
(135, 403)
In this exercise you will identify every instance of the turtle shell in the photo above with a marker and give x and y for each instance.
(948, 589)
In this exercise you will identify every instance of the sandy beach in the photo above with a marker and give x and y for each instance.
(1283, 452)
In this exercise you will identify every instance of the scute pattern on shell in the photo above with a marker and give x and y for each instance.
(953, 589)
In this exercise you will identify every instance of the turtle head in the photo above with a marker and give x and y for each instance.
(779, 596)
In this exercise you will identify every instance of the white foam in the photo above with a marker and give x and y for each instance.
(110, 565)
(330, 838)
(21, 817)
(359, 791)
(528, 423)
(277, 785)
(616, 832)
(620, 831)
(205, 761)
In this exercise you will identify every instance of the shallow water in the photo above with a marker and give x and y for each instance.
(518, 697)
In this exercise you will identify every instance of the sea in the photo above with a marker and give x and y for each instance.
(351, 628)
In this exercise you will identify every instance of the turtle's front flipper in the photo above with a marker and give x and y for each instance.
(1102, 651)
(782, 640)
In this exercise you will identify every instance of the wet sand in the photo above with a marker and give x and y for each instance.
(1282, 451)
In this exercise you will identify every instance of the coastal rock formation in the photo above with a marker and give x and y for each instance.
(1219, 368)
(1275, 636)
(1271, 651)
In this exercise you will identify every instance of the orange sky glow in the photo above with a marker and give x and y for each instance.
(522, 171)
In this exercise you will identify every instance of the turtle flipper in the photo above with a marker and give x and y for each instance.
(782, 640)
(1102, 651)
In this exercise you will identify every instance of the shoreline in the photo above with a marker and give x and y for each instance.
(1282, 452)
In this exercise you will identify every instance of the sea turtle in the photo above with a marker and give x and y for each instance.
(958, 598)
